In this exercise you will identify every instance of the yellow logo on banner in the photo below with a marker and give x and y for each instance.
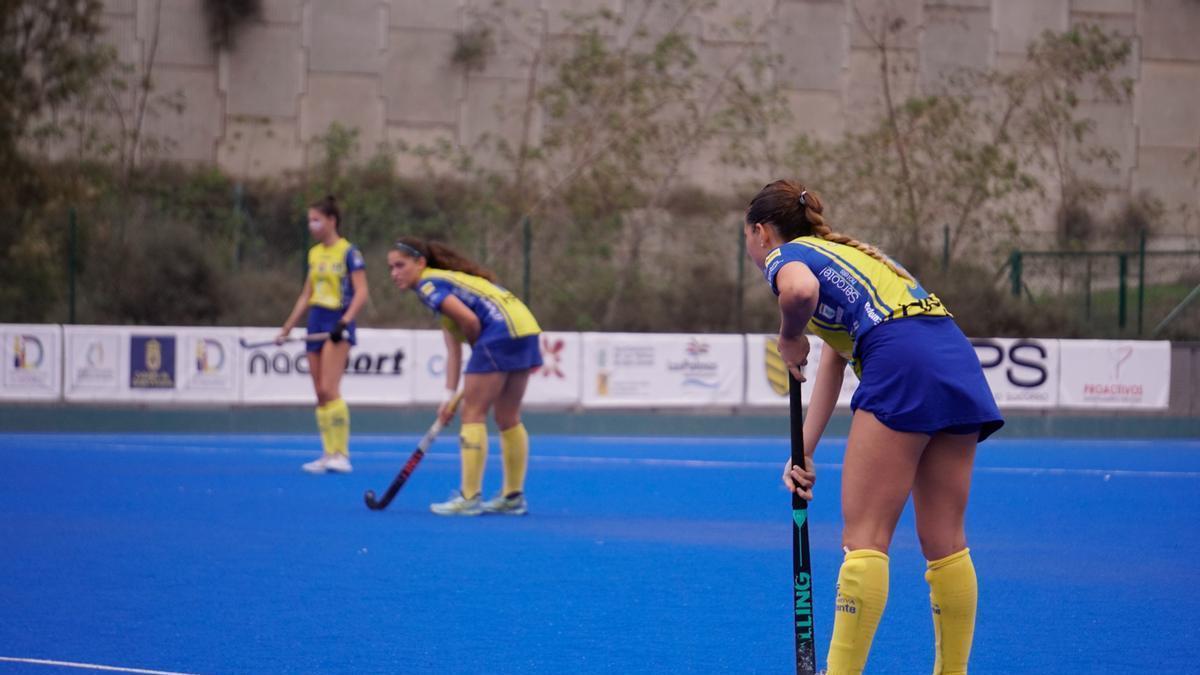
(153, 355)
(777, 374)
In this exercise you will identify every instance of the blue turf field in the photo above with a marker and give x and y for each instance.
(215, 554)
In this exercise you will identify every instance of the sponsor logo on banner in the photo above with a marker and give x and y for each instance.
(696, 372)
(152, 362)
(1108, 385)
(99, 366)
(25, 368)
(1098, 373)
(210, 364)
(278, 361)
(773, 365)
(552, 357)
(1020, 372)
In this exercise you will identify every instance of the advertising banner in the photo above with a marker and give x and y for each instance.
(1126, 374)
(151, 359)
(1022, 372)
(559, 382)
(653, 370)
(32, 362)
(208, 365)
(766, 376)
(95, 363)
(378, 371)
(429, 366)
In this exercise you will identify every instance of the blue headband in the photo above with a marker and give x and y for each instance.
(409, 250)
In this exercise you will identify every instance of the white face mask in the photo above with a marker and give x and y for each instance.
(315, 226)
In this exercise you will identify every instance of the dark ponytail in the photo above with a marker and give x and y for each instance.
(442, 257)
(328, 206)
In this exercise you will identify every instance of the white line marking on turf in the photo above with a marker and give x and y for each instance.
(88, 666)
(628, 461)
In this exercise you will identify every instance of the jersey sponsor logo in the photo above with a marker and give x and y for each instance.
(826, 312)
(427, 288)
(356, 259)
(842, 282)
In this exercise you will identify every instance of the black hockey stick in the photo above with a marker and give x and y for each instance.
(806, 653)
(410, 465)
(311, 337)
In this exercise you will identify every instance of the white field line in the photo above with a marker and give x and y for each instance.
(87, 666)
(404, 451)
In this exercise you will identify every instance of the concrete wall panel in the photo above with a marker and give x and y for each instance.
(1166, 173)
(259, 147)
(954, 39)
(1019, 22)
(1168, 104)
(324, 104)
(810, 40)
(440, 15)
(265, 70)
(432, 93)
(897, 22)
(182, 34)
(347, 37)
(196, 130)
(1170, 29)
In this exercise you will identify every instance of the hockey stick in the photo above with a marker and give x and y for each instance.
(806, 655)
(410, 465)
(311, 337)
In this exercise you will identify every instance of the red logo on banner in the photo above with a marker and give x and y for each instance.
(551, 358)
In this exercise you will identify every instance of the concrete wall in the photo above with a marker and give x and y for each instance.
(384, 67)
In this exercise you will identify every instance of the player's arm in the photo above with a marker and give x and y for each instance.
(826, 388)
(453, 369)
(358, 279)
(462, 316)
(798, 294)
(297, 310)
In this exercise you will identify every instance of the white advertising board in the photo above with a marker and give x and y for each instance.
(208, 365)
(653, 370)
(429, 366)
(559, 382)
(378, 371)
(556, 384)
(1123, 374)
(94, 367)
(32, 362)
(1022, 372)
(766, 378)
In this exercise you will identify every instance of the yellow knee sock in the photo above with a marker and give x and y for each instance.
(339, 427)
(473, 446)
(514, 445)
(953, 594)
(323, 427)
(861, 596)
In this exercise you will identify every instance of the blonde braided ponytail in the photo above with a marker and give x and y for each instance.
(822, 230)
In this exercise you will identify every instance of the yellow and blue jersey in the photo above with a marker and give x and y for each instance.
(857, 291)
(329, 269)
(501, 314)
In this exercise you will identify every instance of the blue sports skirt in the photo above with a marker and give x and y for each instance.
(505, 355)
(921, 375)
(322, 320)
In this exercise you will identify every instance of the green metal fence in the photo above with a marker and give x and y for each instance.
(1140, 292)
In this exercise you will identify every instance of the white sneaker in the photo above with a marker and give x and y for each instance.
(458, 506)
(338, 464)
(318, 465)
(507, 505)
